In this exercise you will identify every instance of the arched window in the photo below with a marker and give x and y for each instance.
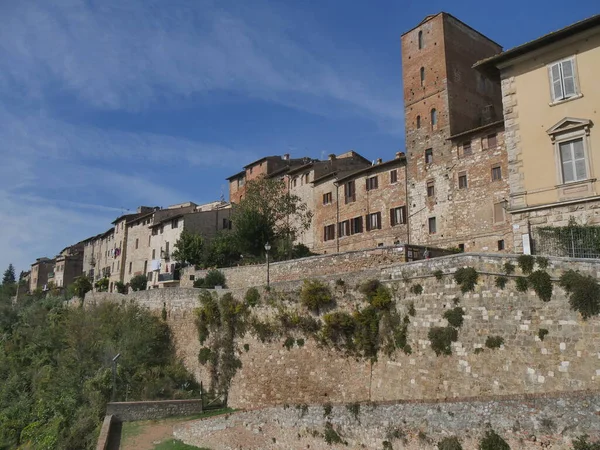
(433, 117)
(422, 76)
(418, 121)
(420, 40)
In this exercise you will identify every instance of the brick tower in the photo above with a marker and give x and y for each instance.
(445, 99)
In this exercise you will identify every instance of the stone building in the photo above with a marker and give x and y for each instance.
(360, 209)
(456, 183)
(206, 220)
(42, 271)
(299, 181)
(68, 265)
(268, 166)
(550, 98)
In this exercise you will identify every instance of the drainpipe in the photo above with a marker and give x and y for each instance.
(337, 216)
(407, 201)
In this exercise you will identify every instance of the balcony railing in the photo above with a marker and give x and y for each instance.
(168, 277)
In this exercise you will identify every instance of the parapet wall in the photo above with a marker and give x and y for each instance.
(153, 410)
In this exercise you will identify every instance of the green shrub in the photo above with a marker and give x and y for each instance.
(584, 293)
(316, 296)
(542, 284)
(330, 435)
(542, 332)
(542, 262)
(416, 289)
(441, 339)
(295, 321)
(478, 350)
(582, 444)
(382, 299)
(509, 268)
(138, 283)
(492, 441)
(521, 284)
(526, 263)
(264, 331)
(199, 283)
(438, 274)
(494, 341)
(501, 282)
(369, 288)
(466, 278)
(366, 335)
(327, 408)
(121, 287)
(340, 283)
(252, 297)
(455, 316)
(411, 309)
(387, 445)
(214, 278)
(289, 342)
(247, 347)
(354, 409)
(205, 355)
(338, 329)
(449, 443)
(300, 342)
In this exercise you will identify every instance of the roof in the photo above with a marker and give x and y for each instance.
(431, 16)
(477, 130)
(373, 168)
(237, 175)
(544, 41)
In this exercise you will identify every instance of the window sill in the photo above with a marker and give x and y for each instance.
(565, 100)
(575, 183)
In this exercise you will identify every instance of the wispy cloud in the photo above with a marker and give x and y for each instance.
(132, 55)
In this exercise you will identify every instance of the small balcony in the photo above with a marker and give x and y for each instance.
(164, 277)
(50, 275)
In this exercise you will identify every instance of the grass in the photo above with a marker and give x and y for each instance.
(173, 444)
(131, 429)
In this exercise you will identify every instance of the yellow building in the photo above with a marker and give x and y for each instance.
(551, 101)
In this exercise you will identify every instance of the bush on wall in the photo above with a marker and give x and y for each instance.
(316, 296)
(466, 278)
(541, 283)
(583, 291)
(441, 339)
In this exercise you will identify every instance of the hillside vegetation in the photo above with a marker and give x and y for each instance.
(56, 368)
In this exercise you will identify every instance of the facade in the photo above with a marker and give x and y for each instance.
(449, 107)
(551, 97)
(68, 265)
(42, 272)
(165, 232)
(361, 209)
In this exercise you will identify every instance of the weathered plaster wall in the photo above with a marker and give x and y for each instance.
(525, 422)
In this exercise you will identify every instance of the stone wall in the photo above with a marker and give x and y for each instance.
(153, 410)
(105, 430)
(525, 422)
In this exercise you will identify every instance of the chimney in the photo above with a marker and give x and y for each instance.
(399, 155)
(286, 157)
(331, 157)
(379, 160)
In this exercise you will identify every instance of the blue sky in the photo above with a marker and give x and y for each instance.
(106, 105)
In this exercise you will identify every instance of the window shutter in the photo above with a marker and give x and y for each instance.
(568, 74)
(579, 156)
(368, 222)
(567, 162)
(557, 90)
(379, 220)
(403, 214)
(376, 182)
(392, 217)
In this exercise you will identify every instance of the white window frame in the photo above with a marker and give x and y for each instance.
(552, 81)
(567, 130)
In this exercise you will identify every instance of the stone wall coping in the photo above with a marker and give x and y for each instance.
(160, 402)
(105, 432)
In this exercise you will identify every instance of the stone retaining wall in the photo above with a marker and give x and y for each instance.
(525, 422)
(153, 410)
(104, 435)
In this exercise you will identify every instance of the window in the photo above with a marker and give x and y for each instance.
(432, 225)
(394, 176)
(492, 141)
(226, 224)
(241, 181)
(356, 225)
(329, 233)
(562, 79)
(501, 244)
(327, 198)
(499, 212)
(433, 117)
(420, 40)
(344, 228)
(572, 160)
(462, 180)
(397, 216)
(150, 238)
(422, 75)
(130, 266)
(149, 276)
(461, 247)
(466, 148)
(137, 243)
(418, 122)
(174, 223)
(430, 189)
(294, 182)
(372, 183)
(167, 248)
(428, 156)
(496, 173)
(350, 192)
(145, 266)
(374, 221)
(153, 253)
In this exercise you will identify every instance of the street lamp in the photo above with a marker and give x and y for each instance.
(267, 248)
(114, 374)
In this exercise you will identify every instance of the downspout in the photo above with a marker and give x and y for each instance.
(337, 216)
(407, 201)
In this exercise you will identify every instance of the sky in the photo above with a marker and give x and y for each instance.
(106, 105)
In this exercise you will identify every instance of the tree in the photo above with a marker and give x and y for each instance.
(138, 283)
(121, 287)
(9, 276)
(102, 284)
(269, 214)
(189, 248)
(81, 286)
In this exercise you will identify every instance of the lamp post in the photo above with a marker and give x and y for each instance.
(267, 248)
(114, 376)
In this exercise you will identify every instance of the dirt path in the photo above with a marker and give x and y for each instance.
(145, 435)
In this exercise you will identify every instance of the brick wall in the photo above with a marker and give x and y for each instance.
(525, 422)
(153, 410)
